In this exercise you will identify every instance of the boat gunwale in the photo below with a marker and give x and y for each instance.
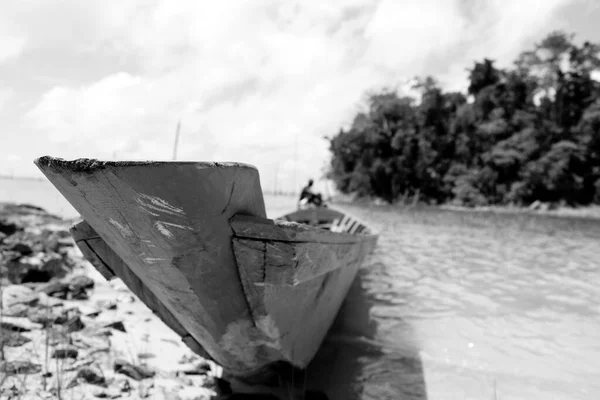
(91, 164)
(280, 230)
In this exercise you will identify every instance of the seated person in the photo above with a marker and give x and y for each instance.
(307, 196)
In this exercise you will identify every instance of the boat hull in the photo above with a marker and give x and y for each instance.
(192, 241)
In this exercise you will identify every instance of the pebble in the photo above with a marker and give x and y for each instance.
(12, 339)
(91, 376)
(20, 368)
(137, 372)
(65, 352)
(74, 324)
(18, 324)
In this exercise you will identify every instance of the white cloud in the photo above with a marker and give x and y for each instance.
(247, 78)
(5, 96)
(12, 41)
(10, 47)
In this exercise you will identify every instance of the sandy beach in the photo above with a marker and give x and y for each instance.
(68, 333)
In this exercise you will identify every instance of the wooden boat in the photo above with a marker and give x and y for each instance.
(192, 241)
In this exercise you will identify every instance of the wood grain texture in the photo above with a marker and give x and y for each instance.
(313, 215)
(110, 265)
(294, 253)
(296, 277)
(297, 316)
(267, 229)
(168, 221)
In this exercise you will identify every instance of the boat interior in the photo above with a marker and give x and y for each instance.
(327, 219)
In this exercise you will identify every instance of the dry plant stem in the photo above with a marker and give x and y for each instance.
(46, 345)
(495, 393)
(1, 318)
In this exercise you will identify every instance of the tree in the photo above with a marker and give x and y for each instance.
(532, 132)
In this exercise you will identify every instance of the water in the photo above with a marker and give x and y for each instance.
(471, 306)
(39, 193)
(454, 305)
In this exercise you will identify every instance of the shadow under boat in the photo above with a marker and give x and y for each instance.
(353, 363)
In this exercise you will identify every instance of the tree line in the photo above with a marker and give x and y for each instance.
(527, 133)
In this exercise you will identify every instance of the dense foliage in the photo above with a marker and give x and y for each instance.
(531, 132)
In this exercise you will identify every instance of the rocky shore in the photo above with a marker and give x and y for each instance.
(67, 333)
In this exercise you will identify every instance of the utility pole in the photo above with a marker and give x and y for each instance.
(176, 140)
(275, 180)
(295, 165)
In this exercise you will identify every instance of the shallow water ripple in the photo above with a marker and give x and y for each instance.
(477, 301)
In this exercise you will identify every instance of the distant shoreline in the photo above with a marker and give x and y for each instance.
(586, 212)
(21, 178)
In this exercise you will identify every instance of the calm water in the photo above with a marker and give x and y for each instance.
(454, 306)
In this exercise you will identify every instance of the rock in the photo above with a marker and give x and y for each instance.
(79, 285)
(86, 310)
(21, 248)
(48, 301)
(3, 236)
(55, 289)
(91, 376)
(117, 325)
(65, 352)
(74, 382)
(18, 294)
(18, 324)
(125, 298)
(145, 356)
(77, 365)
(74, 324)
(144, 389)
(39, 268)
(18, 310)
(20, 368)
(110, 393)
(200, 368)
(57, 336)
(124, 386)
(111, 305)
(47, 317)
(188, 358)
(8, 228)
(85, 340)
(12, 339)
(194, 393)
(55, 266)
(65, 242)
(137, 372)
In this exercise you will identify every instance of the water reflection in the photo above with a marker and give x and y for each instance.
(503, 306)
(355, 362)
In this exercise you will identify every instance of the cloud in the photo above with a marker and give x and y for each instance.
(5, 96)
(12, 42)
(248, 80)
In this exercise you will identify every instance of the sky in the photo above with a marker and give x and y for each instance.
(260, 82)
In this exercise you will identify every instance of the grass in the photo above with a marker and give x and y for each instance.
(56, 376)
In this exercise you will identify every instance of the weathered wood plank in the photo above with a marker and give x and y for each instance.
(168, 221)
(98, 263)
(289, 263)
(110, 265)
(289, 312)
(250, 227)
(314, 214)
